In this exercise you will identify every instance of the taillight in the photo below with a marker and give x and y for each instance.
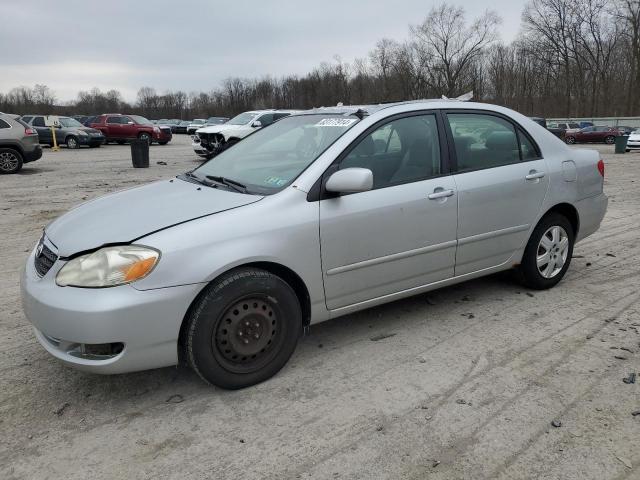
(601, 167)
(29, 131)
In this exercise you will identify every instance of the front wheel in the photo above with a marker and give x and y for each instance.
(72, 142)
(243, 329)
(162, 143)
(570, 140)
(548, 253)
(610, 140)
(146, 137)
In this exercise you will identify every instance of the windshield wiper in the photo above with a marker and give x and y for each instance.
(237, 186)
(196, 179)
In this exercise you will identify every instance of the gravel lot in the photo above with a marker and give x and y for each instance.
(461, 383)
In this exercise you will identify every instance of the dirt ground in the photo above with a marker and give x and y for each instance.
(461, 383)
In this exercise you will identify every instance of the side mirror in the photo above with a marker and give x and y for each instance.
(350, 180)
(256, 124)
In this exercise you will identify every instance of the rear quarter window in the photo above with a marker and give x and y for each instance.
(4, 124)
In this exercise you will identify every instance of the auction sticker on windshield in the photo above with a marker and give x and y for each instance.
(335, 122)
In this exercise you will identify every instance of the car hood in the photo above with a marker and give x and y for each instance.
(220, 128)
(634, 136)
(88, 130)
(127, 215)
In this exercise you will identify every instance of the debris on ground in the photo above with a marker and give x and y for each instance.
(60, 411)
(556, 423)
(382, 336)
(619, 357)
(177, 398)
(461, 401)
(610, 255)
(625, 461)
(429, 301)
(161, 163)
(630, 379)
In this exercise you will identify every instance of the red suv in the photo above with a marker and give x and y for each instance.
(120, 128)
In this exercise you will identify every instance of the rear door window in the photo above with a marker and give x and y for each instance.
(38, 122)
(4, 124)
(483, 141)
(116, 120)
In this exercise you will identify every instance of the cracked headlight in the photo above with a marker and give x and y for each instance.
(108, 267)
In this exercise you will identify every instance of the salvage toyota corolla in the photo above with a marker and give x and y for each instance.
(318, 215)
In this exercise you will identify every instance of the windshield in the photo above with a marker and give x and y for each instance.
(198, 121)
(216, 120)
(242, 119)
(69, 122)
(140, 120)
(273, 157)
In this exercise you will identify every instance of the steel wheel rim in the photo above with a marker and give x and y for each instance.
(72, 143)
(247, 335)
(571, 140)
(552, 252)
(610, 140)
(145, 137)
(8, 161)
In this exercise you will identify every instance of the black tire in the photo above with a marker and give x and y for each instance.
(72, 142)
(243, 329)
(610, 140)
(10, 160)
(94, 145)
(570, 140)
(145, 136)
(209, 156)
(162, 143)
(529, 271)
(121, 142)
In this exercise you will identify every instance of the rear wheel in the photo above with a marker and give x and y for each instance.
(10, 160)
(548, 254)
(162, 143)
(243, 329)
(570, 140)
(610, 140)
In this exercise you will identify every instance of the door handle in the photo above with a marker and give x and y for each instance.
(534, 175)
(440, 193)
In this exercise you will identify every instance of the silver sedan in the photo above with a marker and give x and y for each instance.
(321, 214)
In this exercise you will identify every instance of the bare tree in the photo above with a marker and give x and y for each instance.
(450, 46)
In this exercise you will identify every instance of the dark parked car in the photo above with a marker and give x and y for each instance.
(593, 135)
(182, 126)
(19, 144)
(558, 132)
(68, 131)
(121, 128)
(626, 130)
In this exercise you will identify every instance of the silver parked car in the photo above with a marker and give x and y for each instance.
(321, 214)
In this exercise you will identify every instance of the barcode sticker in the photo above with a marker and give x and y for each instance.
(335, 122)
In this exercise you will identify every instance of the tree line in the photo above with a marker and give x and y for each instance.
(572, 58)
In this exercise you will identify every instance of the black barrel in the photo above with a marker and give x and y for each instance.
(140, 153)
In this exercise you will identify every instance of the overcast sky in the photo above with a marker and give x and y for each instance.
(74, 45)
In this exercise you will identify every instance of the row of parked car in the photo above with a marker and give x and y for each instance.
(587, 132)
(175, 125)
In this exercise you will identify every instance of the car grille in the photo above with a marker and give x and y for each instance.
(213, 139)
(44, 260)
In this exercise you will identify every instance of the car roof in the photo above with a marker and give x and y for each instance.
(431, 103)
